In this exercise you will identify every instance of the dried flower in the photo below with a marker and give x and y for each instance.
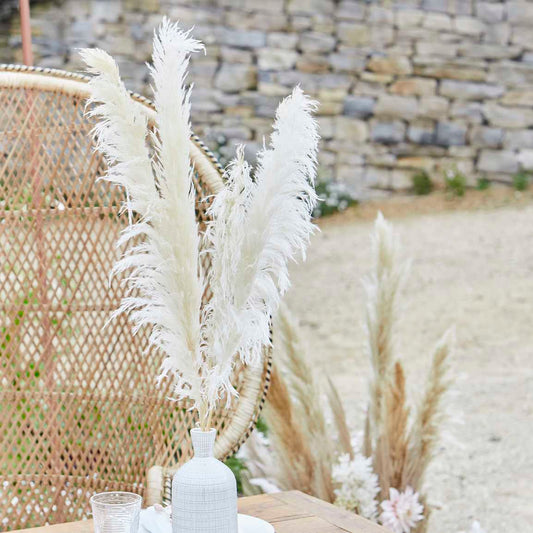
(401, 511)
(358, 485)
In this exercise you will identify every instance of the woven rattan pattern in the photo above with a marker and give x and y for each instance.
(79, 412)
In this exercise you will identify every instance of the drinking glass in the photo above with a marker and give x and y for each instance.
(116, 512)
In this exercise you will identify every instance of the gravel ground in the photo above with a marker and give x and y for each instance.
(472, 268)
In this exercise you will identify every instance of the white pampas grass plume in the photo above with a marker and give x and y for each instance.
(381, 288)
(120, 135)
(257, 227)
(163, 269)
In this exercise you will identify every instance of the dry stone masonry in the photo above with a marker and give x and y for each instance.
(403, 85)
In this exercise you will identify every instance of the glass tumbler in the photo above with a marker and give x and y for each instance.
(116, 512)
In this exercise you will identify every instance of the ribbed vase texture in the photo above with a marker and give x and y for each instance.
(204, 491)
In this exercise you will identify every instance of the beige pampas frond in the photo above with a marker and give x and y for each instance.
(295, 463)
(430, 414)
(339, 419)
(307, 399)
(381, 289)
(392, 442)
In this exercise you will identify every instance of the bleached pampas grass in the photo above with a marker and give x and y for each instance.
(399, 440)
(257, 225)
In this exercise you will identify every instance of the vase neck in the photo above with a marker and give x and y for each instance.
(203, 442)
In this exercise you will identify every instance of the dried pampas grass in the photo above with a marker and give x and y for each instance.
(257, 225)
(398, 441)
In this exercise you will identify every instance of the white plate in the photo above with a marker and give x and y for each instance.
(250, 524)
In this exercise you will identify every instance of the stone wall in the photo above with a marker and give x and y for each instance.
(403, 85)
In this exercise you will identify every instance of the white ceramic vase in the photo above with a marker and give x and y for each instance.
(204, 491)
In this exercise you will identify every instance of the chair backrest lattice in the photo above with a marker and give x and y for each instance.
(79, 410)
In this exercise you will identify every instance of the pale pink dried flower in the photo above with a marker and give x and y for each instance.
(401, 511)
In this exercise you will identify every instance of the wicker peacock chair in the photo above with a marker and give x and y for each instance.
(79, 412)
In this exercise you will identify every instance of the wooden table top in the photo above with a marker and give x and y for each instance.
(288, 512)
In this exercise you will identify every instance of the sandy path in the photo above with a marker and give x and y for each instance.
(473, 269)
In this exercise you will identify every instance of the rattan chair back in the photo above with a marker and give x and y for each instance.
(79, 410)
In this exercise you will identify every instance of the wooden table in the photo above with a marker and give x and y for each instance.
(288, 512)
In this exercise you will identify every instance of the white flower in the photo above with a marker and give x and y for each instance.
(358, 485)
(476, 527)
(401, 511)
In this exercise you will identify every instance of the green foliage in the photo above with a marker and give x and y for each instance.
(261, 426)
(482, 184)
(333, 197)
(237, 466)
(455, 182)
(521, 180)
(422, 183)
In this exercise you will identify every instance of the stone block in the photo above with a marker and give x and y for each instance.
(518, 139)
(498, 33)
(390, 65)
(275, 6)
(508, 117)
(414, 86)
(387, 132)
(315, 42)
(437, 21)
(235, 55)
(469, 26)
(352, 177)
(350, 10)
(464, 90)
(486, 137)
(522, 36)
(416, 162)
(276, 59)
(520, 12)
(433, 107)
(436, 5)
(347, 61)
(471, 112)
(408, 18)
(359, 106)
(393, 106)
(450, 134)
(282, 40)
(515, 74)
(518, 97)
(436, 48)
(449, 69)
(401, 179)
(490, 12)
(380, 14)
(525, 159)
(313, 63)
(299, 23)
(235, 78)
(504, 161)
(350, 129)
(489, 51)
(310, 6)
(421, 132)
(350, 158)
(243, 38)
(353, 34)
(377, 177)
(337, 94)
(326, 127)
